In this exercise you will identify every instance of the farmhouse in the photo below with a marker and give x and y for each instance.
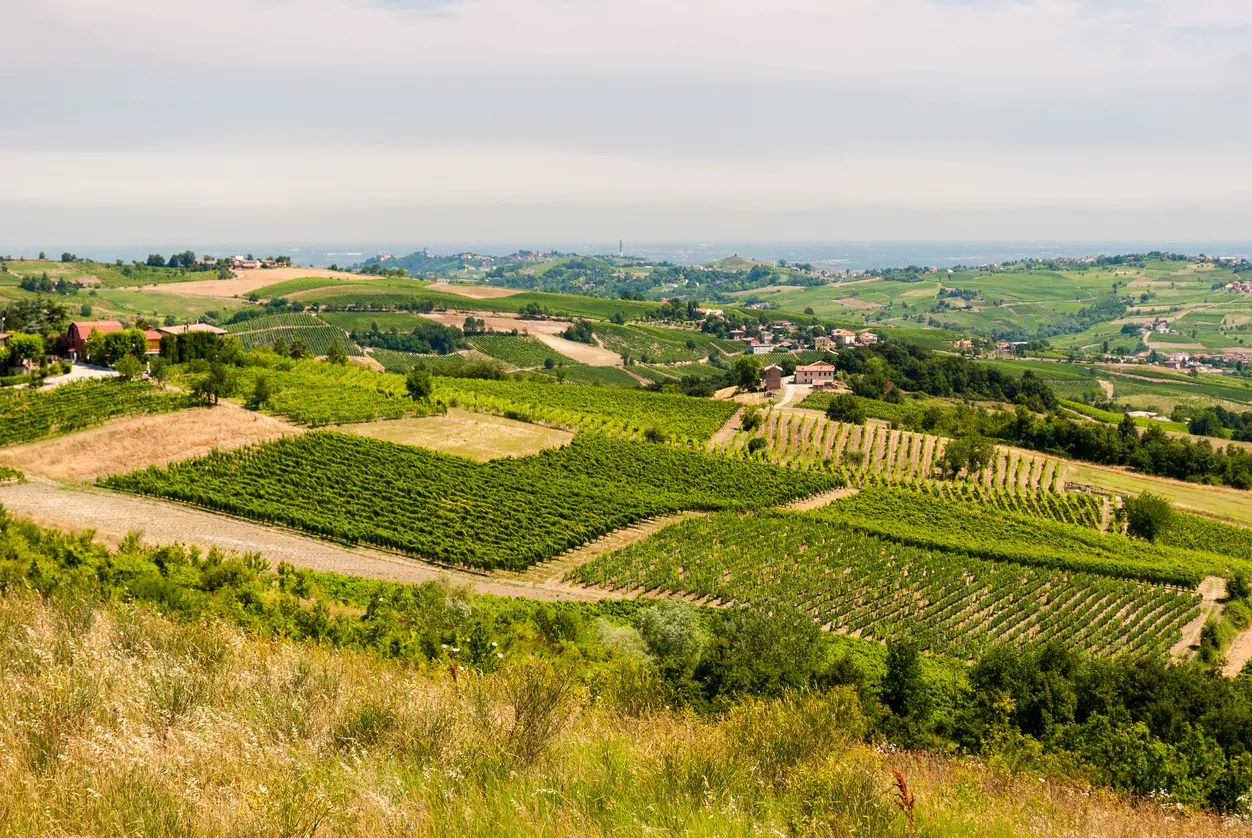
(773, 377)
(963, 344)
(78, 332)
(867, 338)
(823, 344)
(817, 374)
(760, 349)
(843, 337)
(737, 334)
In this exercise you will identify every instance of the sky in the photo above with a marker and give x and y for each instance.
(140, 122)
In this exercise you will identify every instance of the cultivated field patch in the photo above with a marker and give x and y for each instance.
(145, 441)
(476, 436)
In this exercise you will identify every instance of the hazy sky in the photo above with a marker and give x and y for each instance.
(308, 121)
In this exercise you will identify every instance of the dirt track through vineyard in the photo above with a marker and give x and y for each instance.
(113, 515)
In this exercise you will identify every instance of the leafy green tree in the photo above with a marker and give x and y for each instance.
(336, 354)
(25, 347)
(217, 384)
(751, 418)
(300, 349)
(262, 392)
(1147, 516)
(757, 443)
(159, 370)
(971, 453)
(128, 368)
(904, 689)
(845, 408)
(747, 371)
(419, 384)
(671, 632)
(1238, 588)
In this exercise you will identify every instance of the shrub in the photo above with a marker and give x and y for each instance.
(845, 408)
(757, 443)
(671, 633)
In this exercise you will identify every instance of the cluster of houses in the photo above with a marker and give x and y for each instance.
(783, 338)
(241, 263)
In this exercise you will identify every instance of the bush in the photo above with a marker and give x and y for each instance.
(1147, 516)
(671, 633)
(655, 435)
(1237, 587)
(751, 419)
(757, 443)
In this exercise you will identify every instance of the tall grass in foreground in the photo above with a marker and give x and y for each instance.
(116, 721)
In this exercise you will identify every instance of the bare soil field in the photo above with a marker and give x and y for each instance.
(475, 436)
(595, 356)
(112, 516)
(475, 292)
(245, 282)
(501, 322)
(131, 444)
(853, 302)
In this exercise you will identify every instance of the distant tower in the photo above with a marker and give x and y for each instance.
(621, 248)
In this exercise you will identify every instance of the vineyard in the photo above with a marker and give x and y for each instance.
(854, 582)
(1193, 532)
(618, 411)
(318, 336)
(660, 345)
(27, 415)
(394, 361)
(593, 376)
(802, 438)
(507, 513)
(926, 521)
(318, 394)
(521, 351)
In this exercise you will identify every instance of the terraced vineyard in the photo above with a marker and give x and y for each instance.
(1066, 507)
(262, 332)
(521, 351)
(855, 582)
(27, 415)
(507, 513)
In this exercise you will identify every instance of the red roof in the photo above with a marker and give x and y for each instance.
(151, 334)
(85, 327)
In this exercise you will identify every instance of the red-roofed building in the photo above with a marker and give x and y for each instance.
(818, 374)
(154, 341)
(79, 330)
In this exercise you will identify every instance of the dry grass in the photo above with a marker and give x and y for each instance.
(474, 292)
(476, 436)
(245, 282)
(132, 444)
(114, 721)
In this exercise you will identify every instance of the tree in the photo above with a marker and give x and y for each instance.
(128, 368)
(85, 310)
(262, 392)
(903, 686)
(336, 354)
(219, 382)
(845, 408)
(671, 632)
(971, 453)
(25, 347)
(747, 371)
(756, 444)
(1147, 516)
(155, 260)
(419, 384)
(1238, 588)
(159, 370)
(655, 435)
(300, 349)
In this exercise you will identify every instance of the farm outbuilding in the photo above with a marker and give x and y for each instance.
(773, 377)
(79, 330)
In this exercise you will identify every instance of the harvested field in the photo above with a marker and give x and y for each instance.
(501, 322)
(245, 282)
(853, 302)
(145, 441)
(475, 292)
(595, 356)
(475, 436)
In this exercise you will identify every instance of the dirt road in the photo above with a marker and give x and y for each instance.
(113, 515)
(1212, 590)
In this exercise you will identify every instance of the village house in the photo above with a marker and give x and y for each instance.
(963, 344)
(817, 375)
(758, 348)
(78, 332)
(773, 377)
(823, 344)
(867, 338)
(843, 337)
(737, 334)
